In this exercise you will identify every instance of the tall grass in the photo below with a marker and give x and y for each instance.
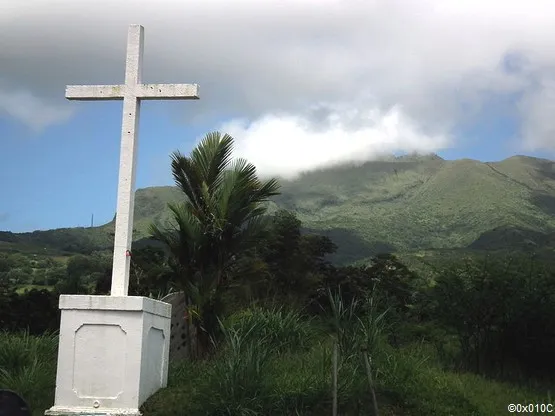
(282, 329)
(356, 325)
(275, 362)
(28, 367)
(235, 384)
(357, 328)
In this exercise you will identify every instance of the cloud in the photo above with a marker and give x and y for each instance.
(33, 111)
(4, 216)
(287, 145)
(538, 109)
(432, 65)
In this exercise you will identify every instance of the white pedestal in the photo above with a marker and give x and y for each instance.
(113, 354)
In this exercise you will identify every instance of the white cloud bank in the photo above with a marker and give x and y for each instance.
(287, 145)
(319, 80)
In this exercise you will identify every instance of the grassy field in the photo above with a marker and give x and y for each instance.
(276, 362)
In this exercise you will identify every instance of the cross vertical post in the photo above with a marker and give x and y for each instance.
(123, 237)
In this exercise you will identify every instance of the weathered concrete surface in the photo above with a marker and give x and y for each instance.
(141, 91)
(113, 353)
(179, 329)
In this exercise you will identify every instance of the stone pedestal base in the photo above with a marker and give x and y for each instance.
(87, 412)
(113, 354)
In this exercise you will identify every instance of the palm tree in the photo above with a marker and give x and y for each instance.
(222, 214)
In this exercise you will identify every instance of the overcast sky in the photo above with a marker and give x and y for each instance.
(299, 84)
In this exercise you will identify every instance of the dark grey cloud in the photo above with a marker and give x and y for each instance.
(435, 62)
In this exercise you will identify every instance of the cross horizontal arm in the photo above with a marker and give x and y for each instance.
(95, 92)
(142, 91)
(167, 91)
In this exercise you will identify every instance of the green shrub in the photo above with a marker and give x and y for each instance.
(28, 367)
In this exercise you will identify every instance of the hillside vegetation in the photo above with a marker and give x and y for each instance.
(393, 205)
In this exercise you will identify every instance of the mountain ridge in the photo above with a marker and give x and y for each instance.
(398, 204)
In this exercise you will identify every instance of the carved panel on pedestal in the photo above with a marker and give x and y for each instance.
(99, 361)
(154, 356)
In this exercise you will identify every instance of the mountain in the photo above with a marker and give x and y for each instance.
(394, 204)
(427, 202)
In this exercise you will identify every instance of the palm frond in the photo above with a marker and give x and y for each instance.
(212, 156)
(187, 178)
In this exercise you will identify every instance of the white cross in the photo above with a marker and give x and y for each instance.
(132, 92)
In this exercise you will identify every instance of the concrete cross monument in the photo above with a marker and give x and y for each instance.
(113, 350)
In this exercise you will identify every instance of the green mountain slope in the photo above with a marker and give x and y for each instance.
(397, 204)
(417, 203)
